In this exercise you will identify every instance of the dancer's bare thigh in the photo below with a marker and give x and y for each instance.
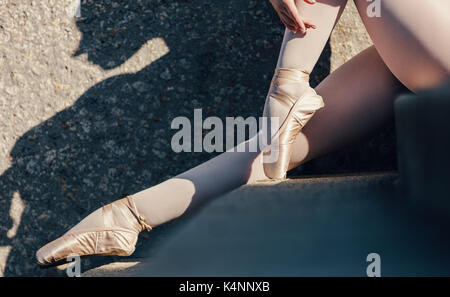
(413, 39)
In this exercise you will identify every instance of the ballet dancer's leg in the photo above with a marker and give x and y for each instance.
(413, 39)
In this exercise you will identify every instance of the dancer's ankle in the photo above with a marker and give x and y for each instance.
(286, 87)
(290, 81)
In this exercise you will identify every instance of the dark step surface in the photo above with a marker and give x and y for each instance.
(423, 132)
(323, 226)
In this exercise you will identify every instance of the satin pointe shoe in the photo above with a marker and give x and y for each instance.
(121, 226)
(293, 102)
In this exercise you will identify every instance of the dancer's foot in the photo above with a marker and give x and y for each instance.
(293, 102)
(110, 230)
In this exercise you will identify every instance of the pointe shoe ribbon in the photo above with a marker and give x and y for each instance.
(118, 236)
(298, 106)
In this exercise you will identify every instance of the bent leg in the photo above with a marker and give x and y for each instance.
(413, 39)
(357, 103)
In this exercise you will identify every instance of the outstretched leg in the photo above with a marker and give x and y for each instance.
(364, 103)
(413, 39)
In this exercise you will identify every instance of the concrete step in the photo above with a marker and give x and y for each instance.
(321, 226)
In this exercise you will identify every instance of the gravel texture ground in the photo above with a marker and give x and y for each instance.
(86, 104)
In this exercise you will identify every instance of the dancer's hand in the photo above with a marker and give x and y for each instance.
(289, 15)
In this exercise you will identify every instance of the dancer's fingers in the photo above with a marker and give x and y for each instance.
(308, 24)
(296, 16)
(287, 21)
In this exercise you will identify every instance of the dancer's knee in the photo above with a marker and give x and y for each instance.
(418, 79)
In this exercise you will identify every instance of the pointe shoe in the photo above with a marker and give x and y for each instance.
(121, 226)
(294, 107)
